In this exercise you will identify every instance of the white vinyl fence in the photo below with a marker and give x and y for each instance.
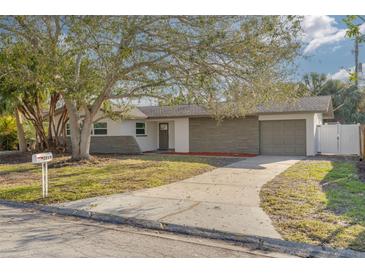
(338, 139)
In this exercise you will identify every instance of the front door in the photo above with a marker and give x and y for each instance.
(164, 136)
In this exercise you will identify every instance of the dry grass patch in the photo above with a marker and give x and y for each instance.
(102, 175)
(318, 202)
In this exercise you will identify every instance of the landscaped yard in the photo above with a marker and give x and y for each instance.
(68, 181)
(319, 202)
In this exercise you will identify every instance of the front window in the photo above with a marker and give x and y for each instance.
(140, 129)
(97, 129)
(100, 129)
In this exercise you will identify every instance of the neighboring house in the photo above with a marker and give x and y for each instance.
(285, 129)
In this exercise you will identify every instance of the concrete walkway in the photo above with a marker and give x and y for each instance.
(224, 199)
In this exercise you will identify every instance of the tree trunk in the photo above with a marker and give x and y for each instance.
(75, 140)
(85, 138)
(20, 131)
(73, 118)
(80, 139)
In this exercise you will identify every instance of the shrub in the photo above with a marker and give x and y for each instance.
(8, 133)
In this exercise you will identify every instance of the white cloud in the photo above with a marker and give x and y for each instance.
(319, 31)
(362, 28)
(342, 75)
(322, 30)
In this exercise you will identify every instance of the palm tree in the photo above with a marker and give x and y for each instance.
(315, 82)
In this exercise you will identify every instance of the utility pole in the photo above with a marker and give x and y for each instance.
(356, 51)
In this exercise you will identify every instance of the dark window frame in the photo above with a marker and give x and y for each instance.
(103, 129)
(141, 129)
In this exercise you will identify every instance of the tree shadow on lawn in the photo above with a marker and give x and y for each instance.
(101, 176)
(318, 201)
(345, 200)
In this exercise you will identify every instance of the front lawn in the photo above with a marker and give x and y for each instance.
(68, 181)
(318, 202)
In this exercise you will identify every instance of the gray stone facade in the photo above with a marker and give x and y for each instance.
(231, 135)
(113, 144)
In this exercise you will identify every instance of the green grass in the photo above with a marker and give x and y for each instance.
(102, 176)
(318, 202)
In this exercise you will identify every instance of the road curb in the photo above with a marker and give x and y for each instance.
(262, 243)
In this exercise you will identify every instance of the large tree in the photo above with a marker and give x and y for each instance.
(27, 91)
(241, 60)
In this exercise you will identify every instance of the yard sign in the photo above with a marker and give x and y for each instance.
(43, 158)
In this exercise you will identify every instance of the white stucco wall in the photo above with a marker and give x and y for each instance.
(171, 134)
(149, 142)
(318, 120)
(146, 143)
(128, 128)
(312, 120)
(178, 127)
(181, 134)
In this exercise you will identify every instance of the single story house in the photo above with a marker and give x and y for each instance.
(282, 129)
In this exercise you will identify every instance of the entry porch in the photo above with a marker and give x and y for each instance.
(164, 134)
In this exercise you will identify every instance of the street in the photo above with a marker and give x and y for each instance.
(30, 233)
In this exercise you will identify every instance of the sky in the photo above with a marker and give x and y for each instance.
(326, 48)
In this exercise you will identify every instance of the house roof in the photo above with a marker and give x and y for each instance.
(304, 104)
(174, 111)
(319, 104)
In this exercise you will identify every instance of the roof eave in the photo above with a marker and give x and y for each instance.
(178, 116)
(290, 112)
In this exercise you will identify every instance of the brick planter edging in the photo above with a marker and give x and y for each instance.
(263, 243)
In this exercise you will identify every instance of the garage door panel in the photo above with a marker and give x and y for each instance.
(277, 140)
(289, 140)
(300, 134)
(283, 137)
(299, 141)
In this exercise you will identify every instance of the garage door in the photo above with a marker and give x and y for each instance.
(283, 137)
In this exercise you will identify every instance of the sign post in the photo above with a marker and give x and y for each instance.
(43, 158)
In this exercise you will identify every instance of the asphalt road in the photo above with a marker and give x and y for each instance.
(30, 233)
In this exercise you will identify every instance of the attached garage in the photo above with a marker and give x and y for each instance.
(283, 137)
(230, 135)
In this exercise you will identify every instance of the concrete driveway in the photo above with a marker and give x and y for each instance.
(224, 199)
